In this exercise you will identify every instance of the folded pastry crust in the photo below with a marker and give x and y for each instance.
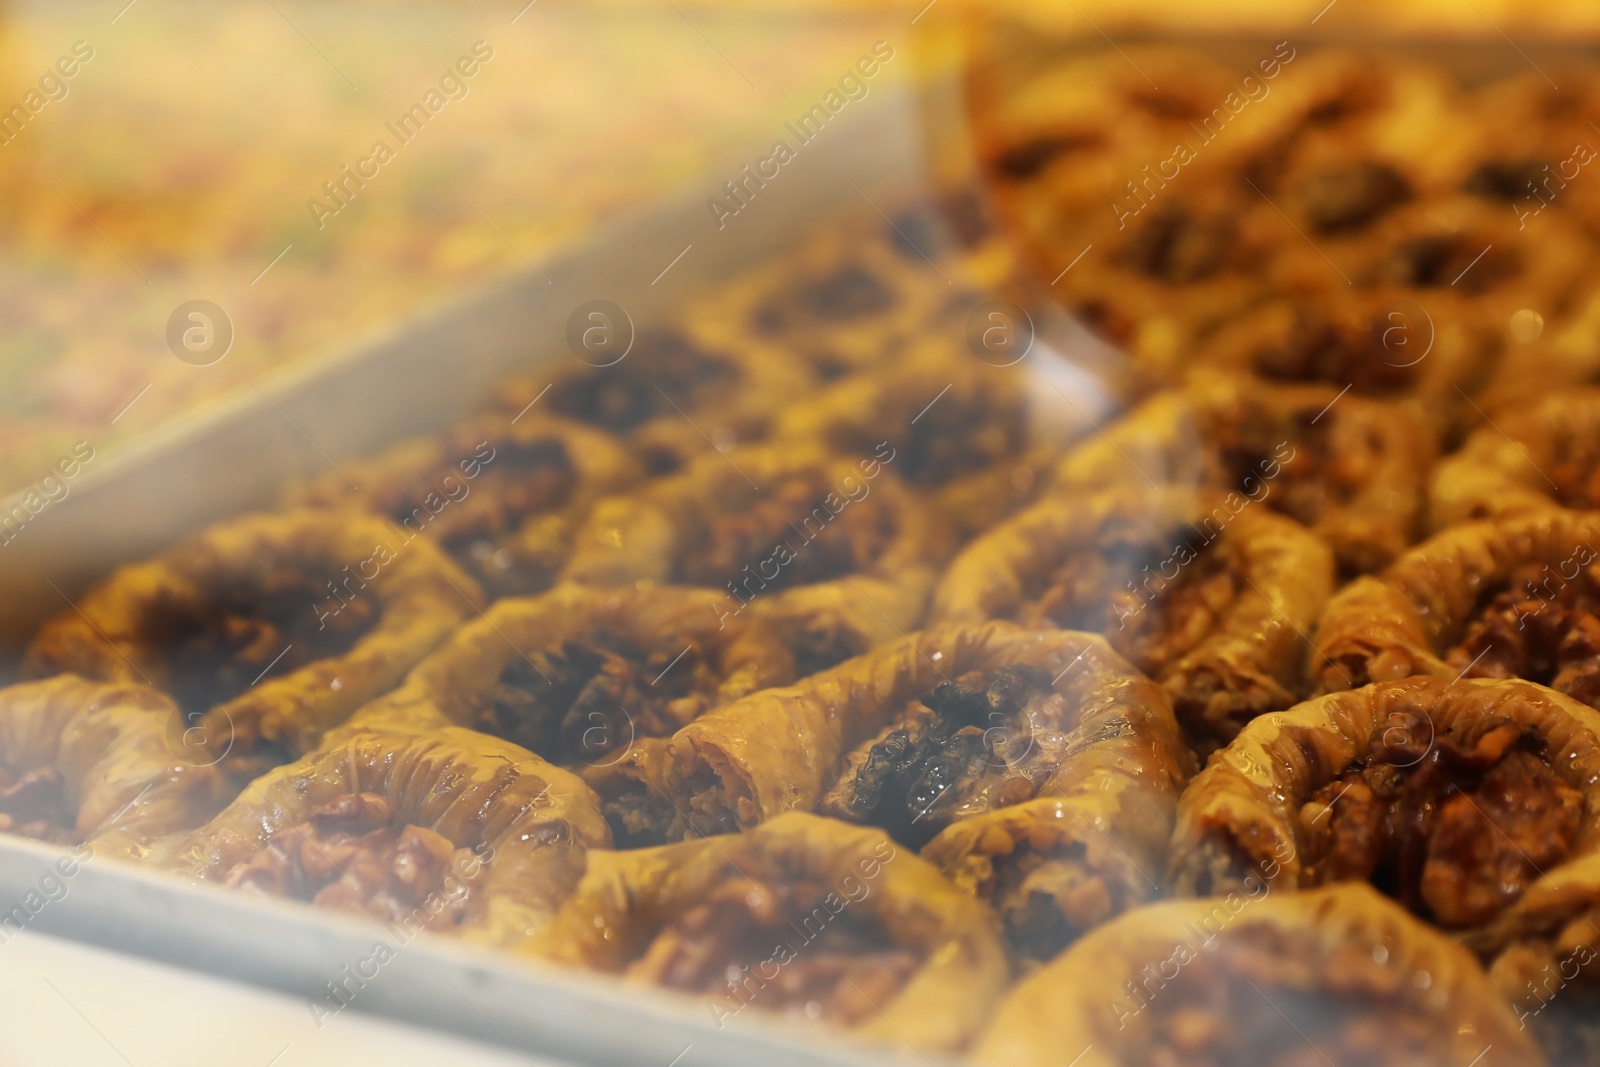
(665, 392)
(268, 627)
(961, 430)
(1337, 975)
(1211, 596)
(1513, 597)
(581, 676)
(1531, 458)
(502, 498)
(102, 765)
(802, 915)
(1452, 796)
(376, 822)
(845, 301)
(1039, 772)
(834, 552)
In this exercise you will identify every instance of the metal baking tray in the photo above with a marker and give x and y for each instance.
(235, 454)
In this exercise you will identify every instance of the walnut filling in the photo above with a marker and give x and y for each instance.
(1454, 826)
(1575, 470)
(1277, 998)
(1153, 603)
(34, 804)
(662, 369)
(987, 740)
(1348, 198)
(790, 945)
(219, 642)
(1045, 892)
(1548, 632)
(957, 437)
(1289, 459)
(1319, 349)
(1179, 248)
(848, 294)
(1442, 260)
(354, 854)
(788, 536)
(1506, 179)
(578, 701)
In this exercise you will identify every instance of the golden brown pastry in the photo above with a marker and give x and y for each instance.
(105, 766)
(834, 552)
(1335, 976)
(1038, 771)
(267, 628)
(669, 395)
(961, 429)
(844, 301)
(1452, 797)
(1544, 954)
(1514, 597)
(1211, 596)
(502, 498)
(1531, 458)
(580, 676)
(451, 830)
(803, 916)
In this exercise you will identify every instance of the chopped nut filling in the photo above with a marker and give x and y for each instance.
(1289, 457)
(850, 293)
(1543, 628)
(580, 700)
(1322, 350)
(662, 369)
(1453, 826)
(1180, 248)
(790, 945)
(984, 741)
(1442, 261)
(1505, 179)
(34, 804)
(1277, 998)
(789, 536)
(1351, 197)
(353, 854)
(956, 437)
(219, 642)
(1027, 160)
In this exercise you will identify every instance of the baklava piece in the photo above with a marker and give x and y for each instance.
(1451, 797)
(451, 831)
(803, 916)
(960, 429)
(1529, 459)
(836, 553)
(1212, 597)
(666, 395)
(101, 765)
(502, 499)
(846, 301)
(266, 630)
(1515, 597)
(1040, 773)
(582, 676)
(1334, 976)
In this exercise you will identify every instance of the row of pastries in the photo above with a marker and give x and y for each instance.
(806, 662)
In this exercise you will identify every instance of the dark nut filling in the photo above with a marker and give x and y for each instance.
(778, 945)
(1453, 826)
(580, 700)
(1310, 475)
(783, 514)
(1505, 179)
(848, 294)
(1275, 998)
(1323, 350)
(956, 437)
(353, 854)
(971, 745)
(1543, 628)
(1349, 198)
(1441, 261)
(34, 804)
(662, 369)
(1180, 248)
